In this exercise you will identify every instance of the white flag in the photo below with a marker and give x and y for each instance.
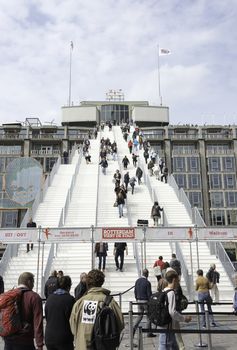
(164, 52)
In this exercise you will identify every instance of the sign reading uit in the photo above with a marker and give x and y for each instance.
(118, 233)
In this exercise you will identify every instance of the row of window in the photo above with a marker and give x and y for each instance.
(220, 199)
(223, 217)
(186, 164)
(222, 181)
(188, 181)
(221, 164)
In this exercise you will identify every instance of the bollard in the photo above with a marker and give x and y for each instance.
(140, 339)
(207, 319)
(130, 325)
(200, 344)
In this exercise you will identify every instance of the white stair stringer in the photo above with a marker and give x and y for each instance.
(82, 208)
(49, 211)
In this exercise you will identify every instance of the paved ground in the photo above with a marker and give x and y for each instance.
(219, 341)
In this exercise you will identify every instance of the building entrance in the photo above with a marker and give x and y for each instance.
(115, 113)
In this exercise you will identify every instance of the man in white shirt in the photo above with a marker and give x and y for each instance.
(167, 341)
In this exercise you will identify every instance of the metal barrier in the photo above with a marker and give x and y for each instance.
(199, 331)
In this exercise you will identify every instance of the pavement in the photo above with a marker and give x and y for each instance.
(219, 341)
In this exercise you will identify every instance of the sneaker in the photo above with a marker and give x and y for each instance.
(135, 345)
(213, 324)
(151, 335)
(204, 326)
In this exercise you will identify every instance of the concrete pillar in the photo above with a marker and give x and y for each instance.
(27, 148)
(205, 191)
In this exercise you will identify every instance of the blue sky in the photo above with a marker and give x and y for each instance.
(115, 47)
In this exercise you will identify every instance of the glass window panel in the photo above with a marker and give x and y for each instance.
(228, 163)
(229, 181)
(214, 164)
(179, 164)
(217, 199)
(218, 217)
(181, 180)
(231, 199)
(195, 199)
(194, 181)
(215, 181)
(193, 164)
(2, 164)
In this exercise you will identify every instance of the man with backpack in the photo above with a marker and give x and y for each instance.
(94, 308)
(30, 316)
(167, 341)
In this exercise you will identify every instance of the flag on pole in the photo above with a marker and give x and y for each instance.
(71, 45)
(164, 52)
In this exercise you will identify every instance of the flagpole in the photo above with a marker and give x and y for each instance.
(70, 74)
(159, 88)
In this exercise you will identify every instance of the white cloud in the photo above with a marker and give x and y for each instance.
(115, 46)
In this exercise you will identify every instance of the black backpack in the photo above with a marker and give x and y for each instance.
(158, 309)
(106, 334)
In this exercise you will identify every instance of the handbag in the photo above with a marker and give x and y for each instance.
(157, 270)
(115, 204)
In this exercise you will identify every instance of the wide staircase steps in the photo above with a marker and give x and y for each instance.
(82, 208)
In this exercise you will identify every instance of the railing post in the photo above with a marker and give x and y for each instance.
(200, 344)
(144, 235)
(207, 319)
(92, 247)
(130, 312)
(38, 258)
(140, 339)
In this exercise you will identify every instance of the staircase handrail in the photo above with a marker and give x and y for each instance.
(98, 184)
(135, 247)
(47, 268)
(10, 251)
(188, 278)
(72, 152)
(54, 170)
(180, 194)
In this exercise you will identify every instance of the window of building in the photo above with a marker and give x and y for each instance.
(214, 164)
(193, 164)
(215, 181)
(195, 199)
(232, 217)
(217, 200)
(10, 149)
(178, 164)
(229, 181)
(9, 218)
(194, 181)
(231, 199)
(50, 163)
(228, 163)
(116, 113)
(181, 180)
(2, 164)
(218, 217)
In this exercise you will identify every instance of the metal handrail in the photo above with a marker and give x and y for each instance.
(188, 278)
(47, 268)
(10, 251)
(54, 169)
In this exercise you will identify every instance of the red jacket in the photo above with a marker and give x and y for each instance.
(32, 315)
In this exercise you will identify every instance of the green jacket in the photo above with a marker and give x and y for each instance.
(83, 316)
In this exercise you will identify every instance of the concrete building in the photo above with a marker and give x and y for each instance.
(202, 158)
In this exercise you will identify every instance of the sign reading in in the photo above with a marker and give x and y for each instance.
(118, 233)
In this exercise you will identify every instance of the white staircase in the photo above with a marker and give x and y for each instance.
(47, 215)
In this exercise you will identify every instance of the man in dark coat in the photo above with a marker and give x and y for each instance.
(101, 252)
(119, 253)
(51, 284)
(31, 223)
(139, 173)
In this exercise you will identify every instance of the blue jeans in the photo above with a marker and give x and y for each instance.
(205, 296)
(120, 208)
(167, 341)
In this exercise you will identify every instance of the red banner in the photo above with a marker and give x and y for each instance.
(118, 233)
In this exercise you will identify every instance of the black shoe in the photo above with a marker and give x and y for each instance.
(117, 268)
(204, 326)
(213, 324)
(151, 335)
(121, 270)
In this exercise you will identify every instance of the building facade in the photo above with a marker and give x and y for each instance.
(202, 158)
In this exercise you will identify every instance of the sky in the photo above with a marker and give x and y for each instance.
(115, 46)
